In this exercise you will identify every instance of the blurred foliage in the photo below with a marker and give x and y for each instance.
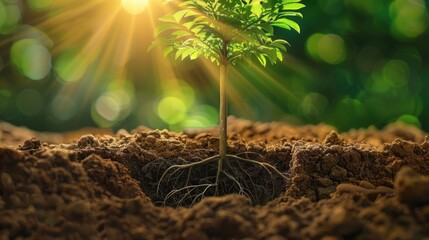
(356, 63)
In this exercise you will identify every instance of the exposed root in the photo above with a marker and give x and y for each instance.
(186, 184)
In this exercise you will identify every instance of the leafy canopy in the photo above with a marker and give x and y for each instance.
(226, 31)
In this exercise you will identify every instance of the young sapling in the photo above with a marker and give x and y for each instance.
(224, 32)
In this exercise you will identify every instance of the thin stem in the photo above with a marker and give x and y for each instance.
(223, 116)
(223, 111)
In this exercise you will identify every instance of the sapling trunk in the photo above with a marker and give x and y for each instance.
(222, 118)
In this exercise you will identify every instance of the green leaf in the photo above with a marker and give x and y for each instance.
(287, 24)
(197, 29)
(195, 55)
(178, 16)
(179, 53)
(279, 44)
(203, 27)
(293, 6)
(279, 55)
(187, 52)
(262, 59)
(271, 53)
(281, 24)
(257, 8)
(268, 28)
(291, 14)
(181, 33)
(188, 25)
(281, 41)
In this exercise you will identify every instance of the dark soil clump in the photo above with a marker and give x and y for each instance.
(364, 184)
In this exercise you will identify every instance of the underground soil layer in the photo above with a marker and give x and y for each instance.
(92, 184)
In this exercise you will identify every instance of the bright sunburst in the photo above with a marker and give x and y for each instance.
(135, 6)
(100, 58)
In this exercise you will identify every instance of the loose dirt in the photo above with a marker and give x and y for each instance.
(92, 184)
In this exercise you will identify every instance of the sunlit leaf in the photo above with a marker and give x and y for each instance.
(181, 33)
(257, 8)
(262, 59)
(293, 6)
(279, 55)
(194, 55)
(287, 24)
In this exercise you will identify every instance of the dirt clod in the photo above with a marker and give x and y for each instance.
(333, 138)
(412, 188)
(339, 222)
(88, 141)
(366, 184)
(31, 144)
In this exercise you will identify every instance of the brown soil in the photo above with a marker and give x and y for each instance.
(364, 184)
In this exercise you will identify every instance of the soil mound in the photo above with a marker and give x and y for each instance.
(362, 184)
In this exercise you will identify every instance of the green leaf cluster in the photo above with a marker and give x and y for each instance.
(226, 31)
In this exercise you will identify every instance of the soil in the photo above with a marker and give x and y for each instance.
(92, 184)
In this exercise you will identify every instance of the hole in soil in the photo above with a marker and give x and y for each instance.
(186, 187)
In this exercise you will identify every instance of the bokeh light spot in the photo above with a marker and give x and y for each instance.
(181, 90)
(311, 45)
(410, 119)
(69, 68)
(331, 49)
(37, 64)
(31, 58)
(202, 116)
(114, 105)
(29, 102)
(123, 91)
(108, 107)
(171, 110)
(196, 121)
(409, 18)
(13, 18)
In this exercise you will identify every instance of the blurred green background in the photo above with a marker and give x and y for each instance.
(356, 63)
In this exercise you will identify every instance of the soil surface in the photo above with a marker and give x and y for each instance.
(92, 184)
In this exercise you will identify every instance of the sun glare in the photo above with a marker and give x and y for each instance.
(104, 46)
(135, 6)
